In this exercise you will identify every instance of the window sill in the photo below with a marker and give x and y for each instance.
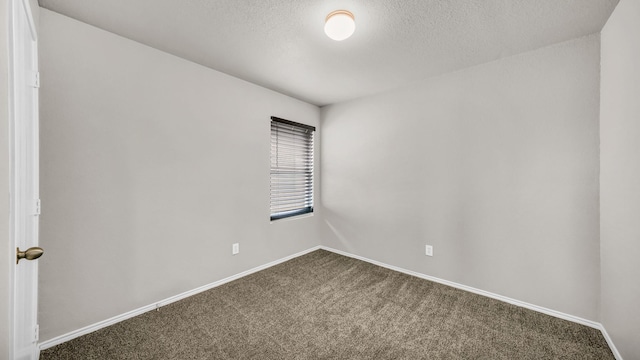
(295, 217)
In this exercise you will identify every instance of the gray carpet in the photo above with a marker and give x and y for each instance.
(327, 306)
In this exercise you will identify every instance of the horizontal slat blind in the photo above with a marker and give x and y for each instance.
(291, 168)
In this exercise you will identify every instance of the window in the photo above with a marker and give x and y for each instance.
(291, 168)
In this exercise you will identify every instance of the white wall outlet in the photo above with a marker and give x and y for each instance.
(429, 250)
(235, 249)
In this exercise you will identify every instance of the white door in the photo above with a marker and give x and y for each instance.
(25, 203)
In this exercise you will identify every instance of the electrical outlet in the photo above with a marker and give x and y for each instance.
(429, 250)
(235, 249)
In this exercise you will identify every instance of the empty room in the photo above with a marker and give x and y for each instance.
(320, 179)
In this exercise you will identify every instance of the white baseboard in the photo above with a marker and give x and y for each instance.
(509, 300)
(612, 346)
(99, 325)
(523, 304)
(116, 319)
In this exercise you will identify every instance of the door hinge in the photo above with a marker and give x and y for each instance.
(35, 81)
(36, 334)
(38, 207)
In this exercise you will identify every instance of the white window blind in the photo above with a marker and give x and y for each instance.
(291, 168)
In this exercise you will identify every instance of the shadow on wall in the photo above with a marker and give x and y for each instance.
(400, 240)
(338, 231)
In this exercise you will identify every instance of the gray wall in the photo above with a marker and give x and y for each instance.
(6, 259)
(620, 178)
(152, 166)
(496, 166)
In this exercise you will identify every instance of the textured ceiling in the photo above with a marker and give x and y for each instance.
(280, 44)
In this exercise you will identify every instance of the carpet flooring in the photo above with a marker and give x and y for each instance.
(326, 306)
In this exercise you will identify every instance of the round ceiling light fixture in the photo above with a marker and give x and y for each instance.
(339, 25)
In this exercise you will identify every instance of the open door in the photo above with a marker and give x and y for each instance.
(25, 203)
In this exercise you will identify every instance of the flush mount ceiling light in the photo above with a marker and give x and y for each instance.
(339, 25)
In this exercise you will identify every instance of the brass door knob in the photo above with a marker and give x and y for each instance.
(31, 253)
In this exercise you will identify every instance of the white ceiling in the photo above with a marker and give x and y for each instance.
(280, 44)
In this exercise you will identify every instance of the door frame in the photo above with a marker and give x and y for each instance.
(19, 159)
